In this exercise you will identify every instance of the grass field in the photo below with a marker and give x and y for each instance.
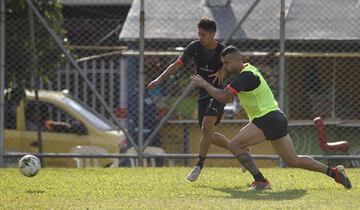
(167, 188)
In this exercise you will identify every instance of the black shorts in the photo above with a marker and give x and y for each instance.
(273, 124)
(210, 107)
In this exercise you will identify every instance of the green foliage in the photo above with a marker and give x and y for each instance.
(167, 188)
(20, 65)
(186, 107)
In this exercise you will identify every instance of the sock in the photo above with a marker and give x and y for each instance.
(259, 177)
(331, 173)
(200, 162)
(247, 161)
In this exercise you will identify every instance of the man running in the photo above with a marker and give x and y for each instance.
(267, 122)
(206, 54)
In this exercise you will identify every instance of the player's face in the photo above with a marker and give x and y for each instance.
(230, 63)
(205, 37)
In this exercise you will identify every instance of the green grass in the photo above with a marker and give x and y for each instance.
(167, 188)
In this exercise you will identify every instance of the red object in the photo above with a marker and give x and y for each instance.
(180, 60)
(329, 147)
(231, 89)
(121, 112)
(259, 185)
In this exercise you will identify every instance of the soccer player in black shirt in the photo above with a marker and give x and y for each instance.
(205, 52)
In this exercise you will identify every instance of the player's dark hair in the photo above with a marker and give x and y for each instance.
(207, 24)
(230, 50)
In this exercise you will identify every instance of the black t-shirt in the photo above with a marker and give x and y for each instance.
(244, 81)
(207, 62)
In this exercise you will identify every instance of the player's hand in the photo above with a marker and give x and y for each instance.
(198, 80)
(219, 76)
(153, 84)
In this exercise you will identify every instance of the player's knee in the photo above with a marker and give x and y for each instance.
(214, 140)
(207, 129)
(232, 146)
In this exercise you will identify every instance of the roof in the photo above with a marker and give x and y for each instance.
(311, 20)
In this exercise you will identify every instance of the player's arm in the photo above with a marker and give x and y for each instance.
(170, 70)
(185, 57)
(224, 96)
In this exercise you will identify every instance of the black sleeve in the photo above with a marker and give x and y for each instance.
(188, 53)
(245, 81)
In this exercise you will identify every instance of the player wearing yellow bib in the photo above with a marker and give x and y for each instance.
(267, 122)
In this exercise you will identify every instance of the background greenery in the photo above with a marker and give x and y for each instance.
(19, 57)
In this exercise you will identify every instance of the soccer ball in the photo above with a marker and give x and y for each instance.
(29, 165)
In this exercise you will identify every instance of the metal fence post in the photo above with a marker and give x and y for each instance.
(282, 64)
(2, 79)
(123, 87)
(282, 57)
(141, 82)
(37, 80)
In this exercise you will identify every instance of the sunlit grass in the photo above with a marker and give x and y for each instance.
(167, 188)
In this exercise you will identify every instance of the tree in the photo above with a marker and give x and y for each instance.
(19, 53)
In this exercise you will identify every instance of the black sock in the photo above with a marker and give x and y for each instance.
(330, 173)
(259, 177)
(200, 162)
(247, 161)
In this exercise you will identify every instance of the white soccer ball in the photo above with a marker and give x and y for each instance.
(29, 165)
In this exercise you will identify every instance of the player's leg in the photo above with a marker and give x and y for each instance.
(207, 134)
(247, 136)
(274, 125)
(210, 114)
(213, 114)
(285, 148)
(216, 108)
(220, 140)
(205, 141)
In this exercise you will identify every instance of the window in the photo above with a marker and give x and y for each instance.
(97, 121)
(51, 118)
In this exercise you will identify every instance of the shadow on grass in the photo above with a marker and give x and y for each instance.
(260, 194)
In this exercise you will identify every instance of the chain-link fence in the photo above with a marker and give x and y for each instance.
(321, 61)
(53, 104)
(321, 68)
